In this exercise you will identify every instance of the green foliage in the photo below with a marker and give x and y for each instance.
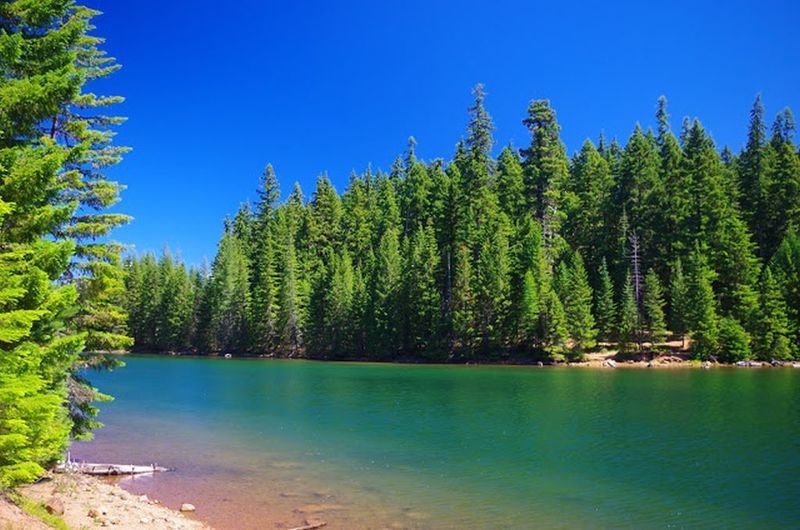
(421, 295)
(605, 307)
(701, 307)
(628, 327)
(679, 309)
(510, 183)
(229, 295)
(38, 510)
(734, 342)
(578, 307)
(640, 188)
(771, 328)
(290, 307)
(786, 266)
(546, 172)
(61, 283)
(588, 204)
(555, 333)
(653, 303)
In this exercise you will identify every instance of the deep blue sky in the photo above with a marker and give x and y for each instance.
(215, 90)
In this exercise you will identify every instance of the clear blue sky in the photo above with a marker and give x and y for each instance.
(215, 90)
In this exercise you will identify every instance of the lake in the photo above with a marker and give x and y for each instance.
(269, 443)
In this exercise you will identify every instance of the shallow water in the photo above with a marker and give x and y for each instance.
(267, 444)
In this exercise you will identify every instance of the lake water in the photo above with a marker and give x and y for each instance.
(267, 444)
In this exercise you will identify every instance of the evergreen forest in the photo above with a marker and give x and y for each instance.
(530, 254)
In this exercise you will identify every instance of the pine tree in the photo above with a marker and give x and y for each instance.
(61, 283)
(546, 172)
(510, 183)
(640, 188)
(416, 191)
(462, 302)
(578, 307)
(554, 320)
(357, 218)
(229, 296)
(734, 342)
(528, 265)
(782, 182)
(786, 266)
(653, 303)
(753, 178)
(605, 307)
(679, 308)
(386, 294)
(478, 203)
(771, 329)
(529, 310)
(560, 280)
(491, 274)
(701, 316)
(289, 317)
(587, 202)
(262, 327)
(628, 327)
(421, 295)
(324, 232)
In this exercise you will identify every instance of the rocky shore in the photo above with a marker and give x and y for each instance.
(89, 502)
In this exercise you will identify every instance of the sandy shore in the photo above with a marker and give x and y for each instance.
(88, 502)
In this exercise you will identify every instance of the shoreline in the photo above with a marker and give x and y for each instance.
(83, 501)
(601, 360)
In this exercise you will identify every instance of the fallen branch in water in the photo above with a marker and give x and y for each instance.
(311, 526)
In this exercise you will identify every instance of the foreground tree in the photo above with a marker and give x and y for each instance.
(60, 288)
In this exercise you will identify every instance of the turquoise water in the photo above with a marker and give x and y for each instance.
(261, 444)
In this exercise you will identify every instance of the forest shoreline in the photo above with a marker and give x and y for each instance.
(598, 360)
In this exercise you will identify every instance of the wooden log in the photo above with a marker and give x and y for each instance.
(88, 468)
(311, 526)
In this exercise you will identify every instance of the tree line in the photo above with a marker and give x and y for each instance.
(61, 280)
(532, 252)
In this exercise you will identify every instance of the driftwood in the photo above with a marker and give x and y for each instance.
(311, 526)
(88, 468)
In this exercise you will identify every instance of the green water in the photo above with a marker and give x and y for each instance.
(462, 447)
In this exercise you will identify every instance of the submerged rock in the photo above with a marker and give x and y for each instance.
(186, 507)
(319, 508)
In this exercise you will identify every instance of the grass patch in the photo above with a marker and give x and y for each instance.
(37, 509)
